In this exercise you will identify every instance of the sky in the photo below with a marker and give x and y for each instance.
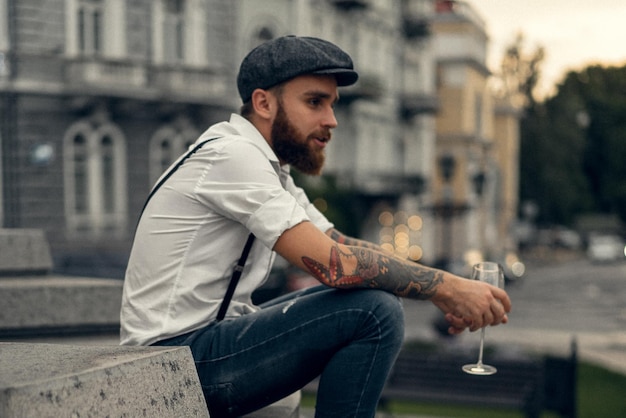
(574, 33)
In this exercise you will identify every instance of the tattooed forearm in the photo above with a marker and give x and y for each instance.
(376, 270)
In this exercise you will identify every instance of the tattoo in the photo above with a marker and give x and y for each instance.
(378, 271)
(332, 275)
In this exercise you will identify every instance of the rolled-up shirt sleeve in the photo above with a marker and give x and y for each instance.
(238, 182)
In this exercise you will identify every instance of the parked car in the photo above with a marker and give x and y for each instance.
(606, 248)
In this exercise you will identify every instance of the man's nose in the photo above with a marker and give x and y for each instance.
(330, 121)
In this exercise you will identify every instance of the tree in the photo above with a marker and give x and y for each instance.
(520, 72)
(574, 145)
(545, 163)
(603, 92)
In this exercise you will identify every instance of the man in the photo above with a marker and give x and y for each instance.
(349, 330)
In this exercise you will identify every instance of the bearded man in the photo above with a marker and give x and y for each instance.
(236, 185)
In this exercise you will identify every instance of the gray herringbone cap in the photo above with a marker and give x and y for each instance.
(284, 58)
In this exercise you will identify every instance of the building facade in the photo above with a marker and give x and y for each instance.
(97, 97)
(477, 142)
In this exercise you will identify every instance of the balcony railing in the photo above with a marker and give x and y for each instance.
(412, 104)
(390, 184)
(106, 73)
(199, 85)
(415, 27)
(368, 87)
(348, 5)
(191, 82)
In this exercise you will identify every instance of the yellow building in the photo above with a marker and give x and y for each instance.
(475, 190)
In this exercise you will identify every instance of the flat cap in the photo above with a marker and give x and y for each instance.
(284, 58)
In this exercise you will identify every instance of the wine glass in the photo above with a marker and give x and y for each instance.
(491, 273)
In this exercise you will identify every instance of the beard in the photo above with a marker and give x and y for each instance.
(293, 148)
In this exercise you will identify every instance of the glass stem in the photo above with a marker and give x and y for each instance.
(482, 343)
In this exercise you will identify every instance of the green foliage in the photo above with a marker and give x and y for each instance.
(573, 147)
(342, 206)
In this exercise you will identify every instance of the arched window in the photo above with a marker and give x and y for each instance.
(107, 151)
(95, 180)
(79, 157)
(265, 34)
(166, 145)
(260, 35)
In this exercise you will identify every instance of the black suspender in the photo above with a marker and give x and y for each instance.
(176, 167)
(234, 279)
(246, 249)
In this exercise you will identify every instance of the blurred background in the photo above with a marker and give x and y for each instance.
(484, 129)
(478, 130)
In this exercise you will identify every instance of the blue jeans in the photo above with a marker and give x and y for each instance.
(350, 338)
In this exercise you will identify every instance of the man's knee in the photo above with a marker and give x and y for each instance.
(386, 301)
(388, 310)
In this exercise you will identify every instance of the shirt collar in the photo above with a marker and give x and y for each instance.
(247, 129)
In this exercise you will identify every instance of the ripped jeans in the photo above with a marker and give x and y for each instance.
(350, 338)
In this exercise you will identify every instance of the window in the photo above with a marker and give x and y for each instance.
(167, 144)
(90, 26)
(1, 183)
(478, 115)
(181, 32)
(79, 155)
(174, 31)
(260, 35)
(95, 180)
(4, 25)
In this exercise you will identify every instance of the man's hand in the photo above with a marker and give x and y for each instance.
(471, 304)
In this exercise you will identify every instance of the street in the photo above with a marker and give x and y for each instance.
(553, 303)
(573, 296)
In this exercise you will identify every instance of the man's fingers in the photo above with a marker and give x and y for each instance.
(498, 312)
(504, 299)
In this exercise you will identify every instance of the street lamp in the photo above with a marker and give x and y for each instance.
(447, 165)
(479, 181)
(447, 210)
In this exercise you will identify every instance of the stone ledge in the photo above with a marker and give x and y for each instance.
(24, 251)
(52, 380)
(58, 303)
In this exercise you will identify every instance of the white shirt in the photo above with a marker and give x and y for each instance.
(192, 232)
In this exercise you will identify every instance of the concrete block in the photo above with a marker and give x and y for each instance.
(52, 380)
(24, 251)
(58, 303)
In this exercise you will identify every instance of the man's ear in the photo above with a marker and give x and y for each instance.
(263, 103)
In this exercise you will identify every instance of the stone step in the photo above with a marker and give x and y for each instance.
(58, 304)
(24, 251)
(54, 380)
